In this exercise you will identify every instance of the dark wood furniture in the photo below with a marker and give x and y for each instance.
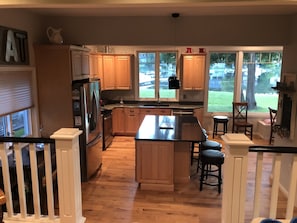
(220, 119)
(240, 119)
(273, 126)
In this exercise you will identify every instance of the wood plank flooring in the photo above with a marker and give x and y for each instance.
(113, 195)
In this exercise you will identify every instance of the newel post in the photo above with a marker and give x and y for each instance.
(235, 177)
(68, 172)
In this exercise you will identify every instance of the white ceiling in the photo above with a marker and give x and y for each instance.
(189, 8)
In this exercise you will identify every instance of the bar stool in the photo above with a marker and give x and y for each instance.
(195, 148)
(206, 145)
(209, 158)
(217, 119)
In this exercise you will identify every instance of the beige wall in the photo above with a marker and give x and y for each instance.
(20, 19)
(202, 30)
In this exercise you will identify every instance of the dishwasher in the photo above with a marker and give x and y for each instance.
(107, 128)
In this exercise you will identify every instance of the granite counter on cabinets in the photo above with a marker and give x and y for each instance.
(170, 128)
(163, 150)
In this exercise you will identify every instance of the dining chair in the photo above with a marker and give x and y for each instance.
(273, 115)
(240, 119)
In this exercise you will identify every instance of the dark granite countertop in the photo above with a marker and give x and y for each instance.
(153, 105)
(170, 128)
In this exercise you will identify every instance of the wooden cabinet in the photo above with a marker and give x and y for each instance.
(116, 72)
(123, 72)
(118, 121)
(55, 67)
(153, 111)
(127, 120)
(100, 69)
(94, 65)
(131, 120)
(108, 72)
(145, 111)
(154, 165)
(80, 64)
(193, 71)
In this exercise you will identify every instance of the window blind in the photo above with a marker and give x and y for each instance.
(15, 91)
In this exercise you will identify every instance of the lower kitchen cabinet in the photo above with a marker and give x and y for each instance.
(131, 120)
(154, 164)
(127, 120)
(153, 111)
(118, 121)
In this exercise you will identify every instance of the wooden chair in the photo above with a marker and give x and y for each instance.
(273, 115)
(240, 122)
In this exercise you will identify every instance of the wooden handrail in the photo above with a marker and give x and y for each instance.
(27, 139)
(272, 149)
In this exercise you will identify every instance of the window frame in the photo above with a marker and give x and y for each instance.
(239, 51)
(157, 77)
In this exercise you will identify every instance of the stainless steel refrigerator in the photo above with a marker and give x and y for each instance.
(87, 117)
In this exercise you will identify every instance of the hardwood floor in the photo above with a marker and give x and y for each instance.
(113, 195)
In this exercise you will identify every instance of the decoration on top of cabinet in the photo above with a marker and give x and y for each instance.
(13, 46)
(173, 82)
(54, 35)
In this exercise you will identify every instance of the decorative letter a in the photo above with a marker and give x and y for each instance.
(11, 49)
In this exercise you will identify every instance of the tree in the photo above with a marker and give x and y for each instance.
(250, 93)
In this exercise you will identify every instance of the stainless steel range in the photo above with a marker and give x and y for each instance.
(107, 127)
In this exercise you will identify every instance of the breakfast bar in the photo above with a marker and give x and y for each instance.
(163, 150)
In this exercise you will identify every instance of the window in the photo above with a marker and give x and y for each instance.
(17, 124)
(244, 76)
(16, 101)
(154, 69)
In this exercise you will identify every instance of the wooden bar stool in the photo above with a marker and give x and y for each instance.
(208, 159)
(219, 119)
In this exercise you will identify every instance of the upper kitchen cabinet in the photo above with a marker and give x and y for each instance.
(116, 72)
(193, 71)
(80, 63)
(94, 73)
(123, 72)
(108, 72)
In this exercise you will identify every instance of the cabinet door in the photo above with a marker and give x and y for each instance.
(143, 112)
(100, 70)
(94, 65)
(80, 64)
(118, 121)
(76, 64)
(85, 63)
(108, 72)
(154, 162)
(131, 120)
(162, 111)
(193, 72)
(123, 72)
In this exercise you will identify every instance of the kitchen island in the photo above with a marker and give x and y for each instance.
(163, 150)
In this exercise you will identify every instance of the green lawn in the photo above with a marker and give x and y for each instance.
(219, 101)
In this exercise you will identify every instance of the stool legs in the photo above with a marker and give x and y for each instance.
(205, 169)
